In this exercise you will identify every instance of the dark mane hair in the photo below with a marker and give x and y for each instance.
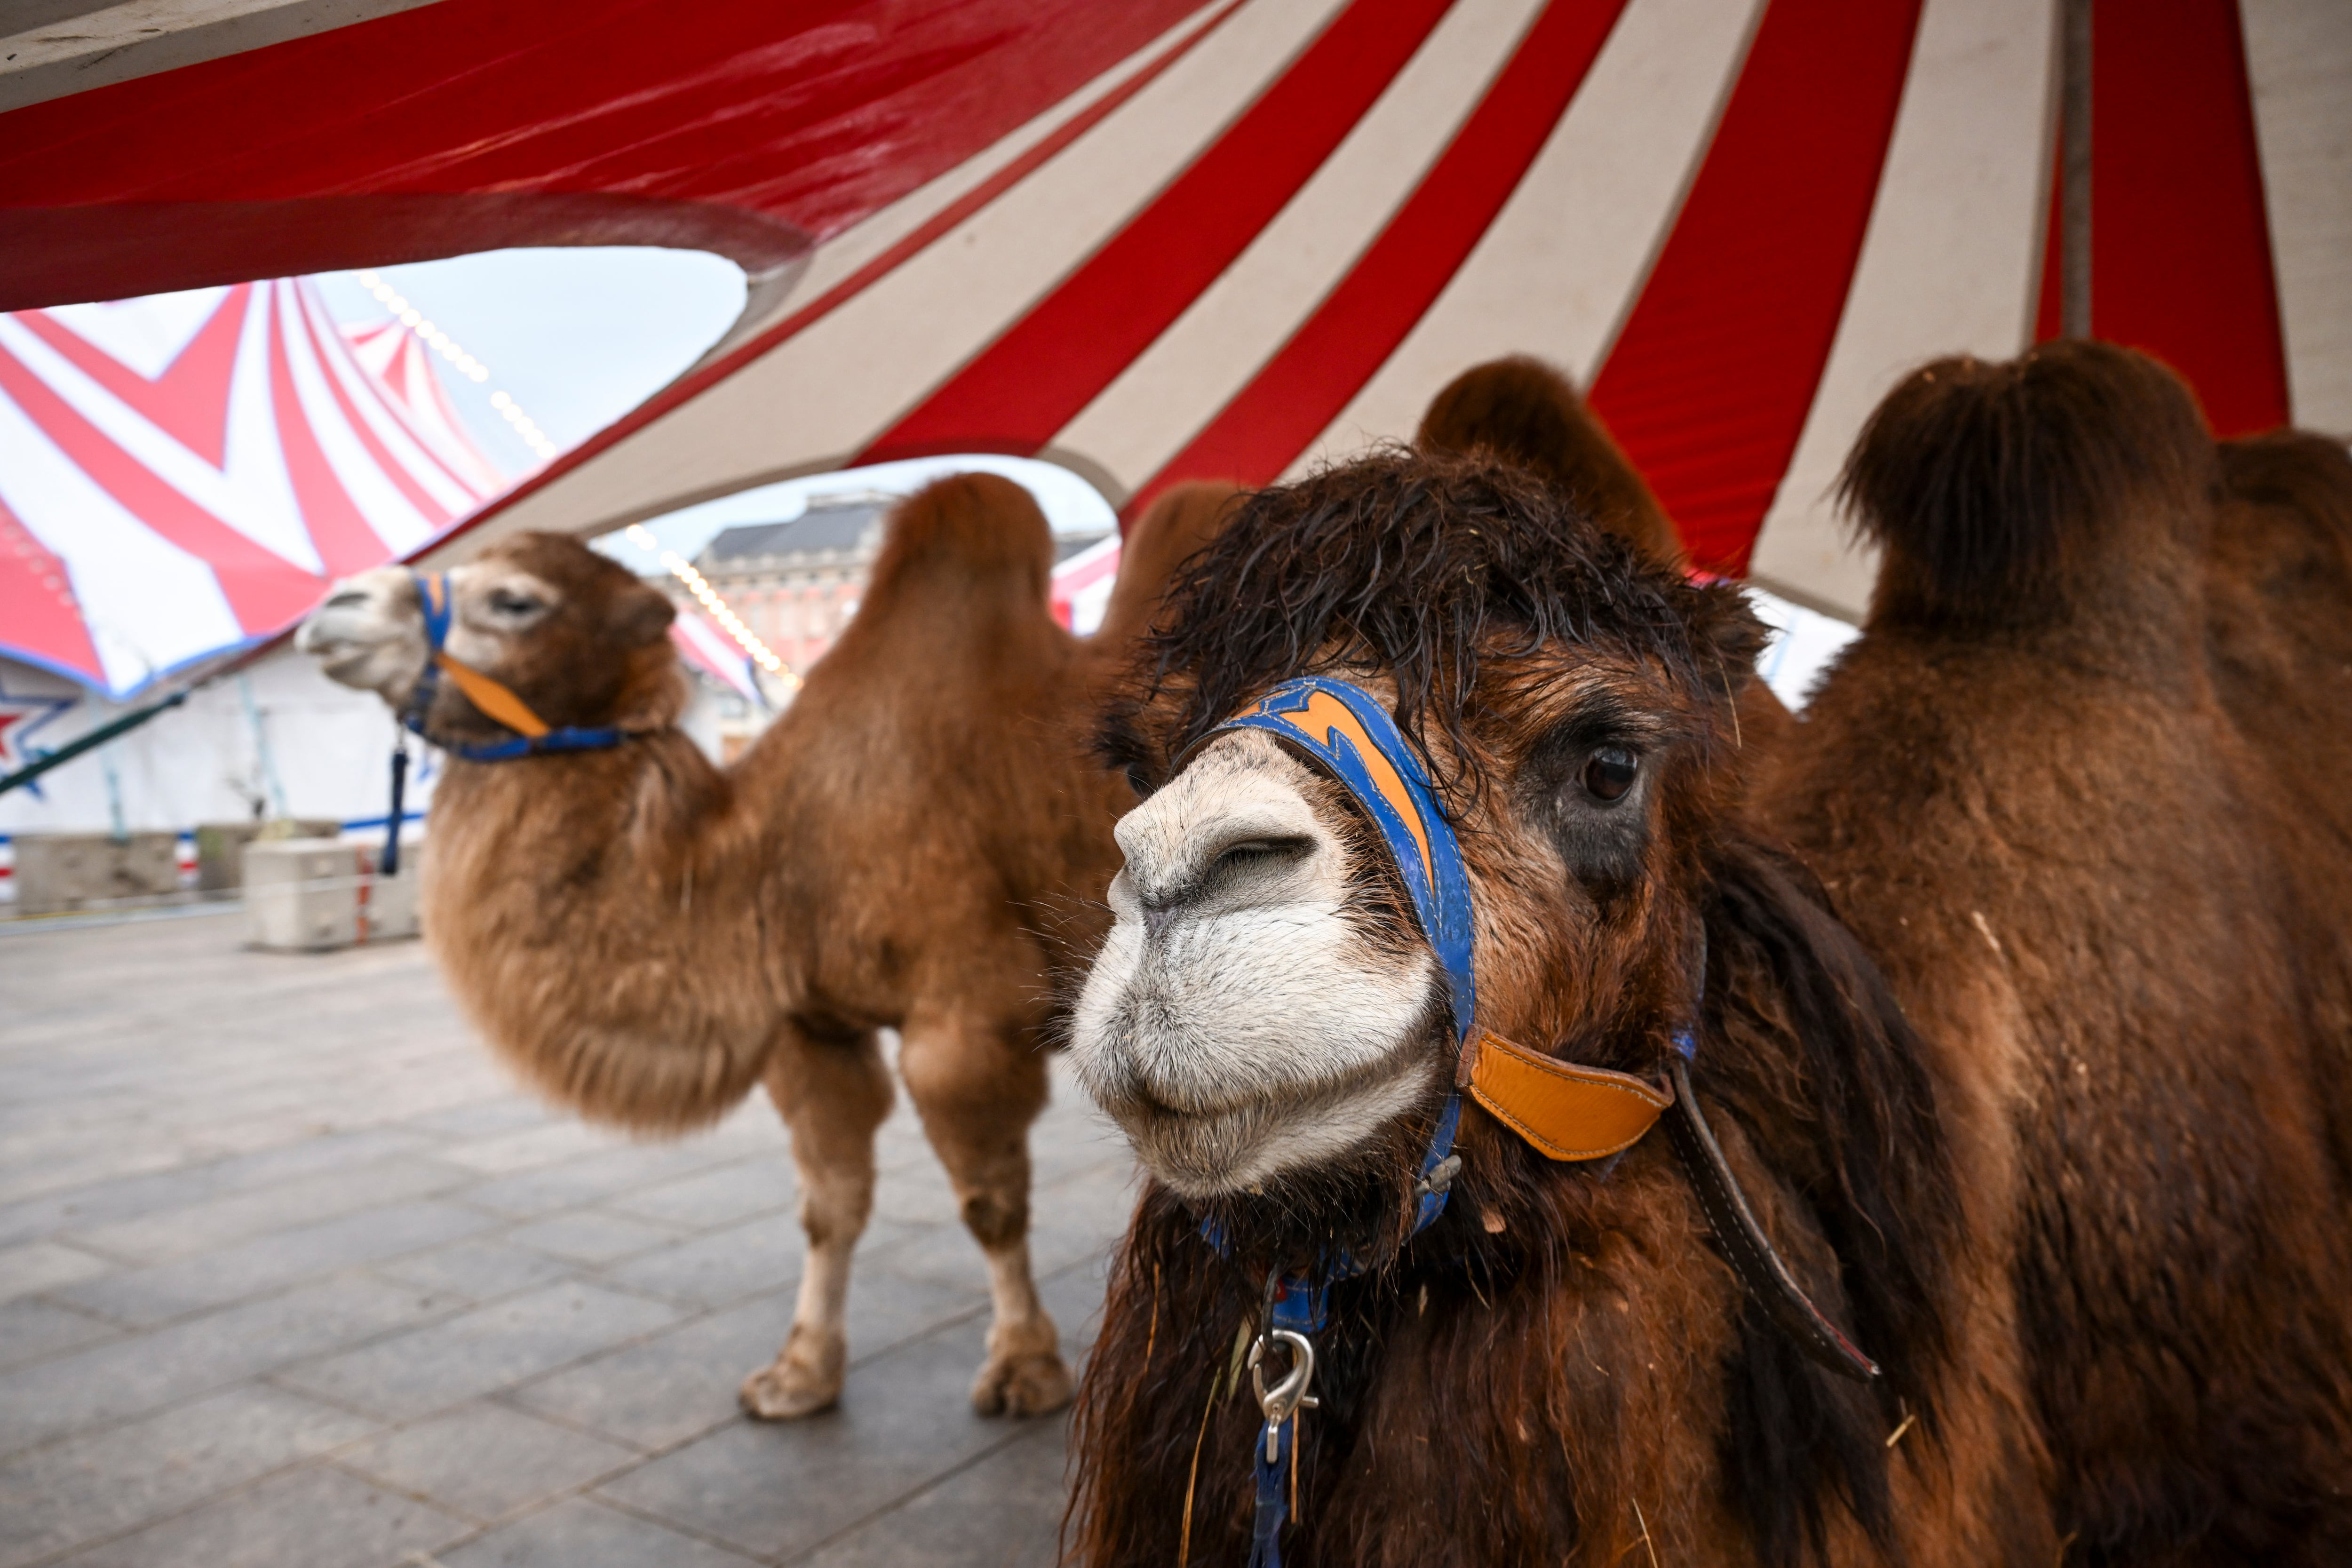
(2001, 492)
(1816, 1060)
(1417, 566)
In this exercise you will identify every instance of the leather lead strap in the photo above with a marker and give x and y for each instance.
(1564, 1111)
(1750, 1251)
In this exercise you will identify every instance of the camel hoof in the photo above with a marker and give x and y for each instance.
(1033, 1384)
(806, 1378)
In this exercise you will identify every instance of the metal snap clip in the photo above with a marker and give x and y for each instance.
(1289, 1396)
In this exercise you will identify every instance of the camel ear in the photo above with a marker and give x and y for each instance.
(1728, 635)
(641, 615)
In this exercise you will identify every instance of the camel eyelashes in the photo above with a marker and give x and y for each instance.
(1609, 772)
(506, 602)
(1257, 851)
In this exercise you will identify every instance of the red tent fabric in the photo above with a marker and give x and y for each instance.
(1162, 238)
(184, 473)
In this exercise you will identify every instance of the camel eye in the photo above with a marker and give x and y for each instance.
(505, 601)
(1608, 774)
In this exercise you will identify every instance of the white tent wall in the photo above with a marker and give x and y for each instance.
(327, 750)
(2299, 59)
(279, 734)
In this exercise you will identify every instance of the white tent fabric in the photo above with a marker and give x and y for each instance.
(985, 276)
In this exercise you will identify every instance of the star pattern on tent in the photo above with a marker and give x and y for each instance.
(21, 714)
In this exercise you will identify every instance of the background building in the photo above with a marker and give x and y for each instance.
(797, 584)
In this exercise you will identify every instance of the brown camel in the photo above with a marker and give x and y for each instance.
(919, 844)
(2031, 1088)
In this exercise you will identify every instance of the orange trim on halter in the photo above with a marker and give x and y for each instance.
(493, 697)
(1324, 712)
(1565, 1110)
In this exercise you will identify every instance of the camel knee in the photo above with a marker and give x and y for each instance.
(997, 1219)
(836, 1211)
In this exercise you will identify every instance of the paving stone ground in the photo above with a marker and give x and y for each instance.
(291, 1274)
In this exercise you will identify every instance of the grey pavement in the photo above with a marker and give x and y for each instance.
(292, 1274)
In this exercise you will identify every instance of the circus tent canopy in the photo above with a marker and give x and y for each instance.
(1167, 239)
(187, 472)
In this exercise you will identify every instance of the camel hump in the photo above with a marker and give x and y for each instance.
(976, 537)
(2283, 534)
(1524, 411)
(1176, 524)
(2305, 476)
(2011, 489)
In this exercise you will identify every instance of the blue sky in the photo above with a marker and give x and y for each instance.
(576, 338)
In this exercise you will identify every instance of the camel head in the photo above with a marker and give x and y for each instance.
(1275, 1022)
(571, 632)
(1267, 1020)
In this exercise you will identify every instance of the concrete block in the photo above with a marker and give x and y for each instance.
(59, 871)
(388, 904)
(220, 848)
(302, 894)
(312, 895)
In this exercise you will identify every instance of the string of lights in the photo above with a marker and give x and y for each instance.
(729, 621)
(466, 364)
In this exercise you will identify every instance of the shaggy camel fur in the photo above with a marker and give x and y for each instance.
(919, 844)
(2028, 1086)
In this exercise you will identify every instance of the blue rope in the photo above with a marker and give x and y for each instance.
(433, 599)
(1273, 1496)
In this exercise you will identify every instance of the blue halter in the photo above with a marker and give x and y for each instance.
(433, 599)
(1355, 740)
(1354, 737)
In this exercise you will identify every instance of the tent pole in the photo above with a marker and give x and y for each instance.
(96, 738)
(2074, 218)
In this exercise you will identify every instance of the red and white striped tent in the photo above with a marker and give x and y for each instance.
(1155, 239)
(184, 473)
(709, 650)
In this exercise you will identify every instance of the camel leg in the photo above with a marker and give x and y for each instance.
(977, 1088)
(833, 1094)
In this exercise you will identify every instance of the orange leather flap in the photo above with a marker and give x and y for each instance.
(493, 698)
(1567, 1111)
